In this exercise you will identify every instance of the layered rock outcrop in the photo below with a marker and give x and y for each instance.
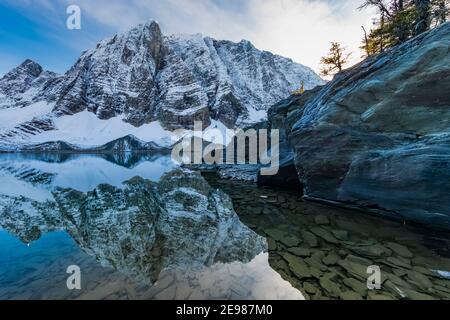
(378, 135)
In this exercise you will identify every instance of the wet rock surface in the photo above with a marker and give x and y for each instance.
(335, 247)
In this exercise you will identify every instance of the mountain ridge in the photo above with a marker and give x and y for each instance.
(144, 76)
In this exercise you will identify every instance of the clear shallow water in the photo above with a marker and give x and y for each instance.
(325, 251)
(314, 252)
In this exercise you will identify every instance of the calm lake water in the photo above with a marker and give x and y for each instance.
(276, 247)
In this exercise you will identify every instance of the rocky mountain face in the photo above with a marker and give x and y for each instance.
(143, 227)
(21, 85)
(378, 135)
(143, 76)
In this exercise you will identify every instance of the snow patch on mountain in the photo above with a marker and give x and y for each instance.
(85, 130)
(11, 117)
(256, 115)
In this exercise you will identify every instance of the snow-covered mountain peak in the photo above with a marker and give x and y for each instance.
(142, 76)
(23, 85)
(20, 78)
(30, 67)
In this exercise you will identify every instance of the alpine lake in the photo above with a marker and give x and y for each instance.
(199, 237)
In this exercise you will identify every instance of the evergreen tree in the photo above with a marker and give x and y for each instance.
(335, 61)
(300, 91)
(399, 20)
(423, 16)
(440, 11)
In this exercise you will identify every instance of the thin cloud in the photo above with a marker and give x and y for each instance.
(298, 29)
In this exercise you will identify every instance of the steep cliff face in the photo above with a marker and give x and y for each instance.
(116, 77)
(239, 80)
(378, 135)
(142, 77)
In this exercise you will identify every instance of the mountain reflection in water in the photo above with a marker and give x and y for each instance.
(141, 228)
(138, 227)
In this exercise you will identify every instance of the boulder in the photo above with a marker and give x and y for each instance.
(378, 135)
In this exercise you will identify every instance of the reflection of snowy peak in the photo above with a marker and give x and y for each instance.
(143, 79)
(141, 227)
(38, 175)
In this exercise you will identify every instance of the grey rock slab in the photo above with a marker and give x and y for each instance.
(331, 259)
(321, 220)
(324, 234)
(399, 249)
(350, 295)
(358, 286)
(300, 252)
(310, 238)
(297, 266)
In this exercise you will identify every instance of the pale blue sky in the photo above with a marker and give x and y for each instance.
(299, 29)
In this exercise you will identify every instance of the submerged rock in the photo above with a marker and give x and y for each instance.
(372, 251)
(321, 220)
(350, 295)
(356, 285)
(300, 252)
(363, 241)
(284, 237)
(414, 295)
(330, 287)
(357, 270)
(309, 288)
(310, 238)
(380, 296)
(400, 250)
(340, 234)
(324, 234)
(331, 259)
(297, 266)
(398, 262)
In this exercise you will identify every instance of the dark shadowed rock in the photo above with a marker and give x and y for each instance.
(378, 135)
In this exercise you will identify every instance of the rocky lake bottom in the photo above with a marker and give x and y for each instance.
(275, 245)
(324, 252)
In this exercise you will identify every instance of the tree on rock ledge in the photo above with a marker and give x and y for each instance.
(335, 61)
(400, 20)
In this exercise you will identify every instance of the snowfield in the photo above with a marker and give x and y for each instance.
(11, 117)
